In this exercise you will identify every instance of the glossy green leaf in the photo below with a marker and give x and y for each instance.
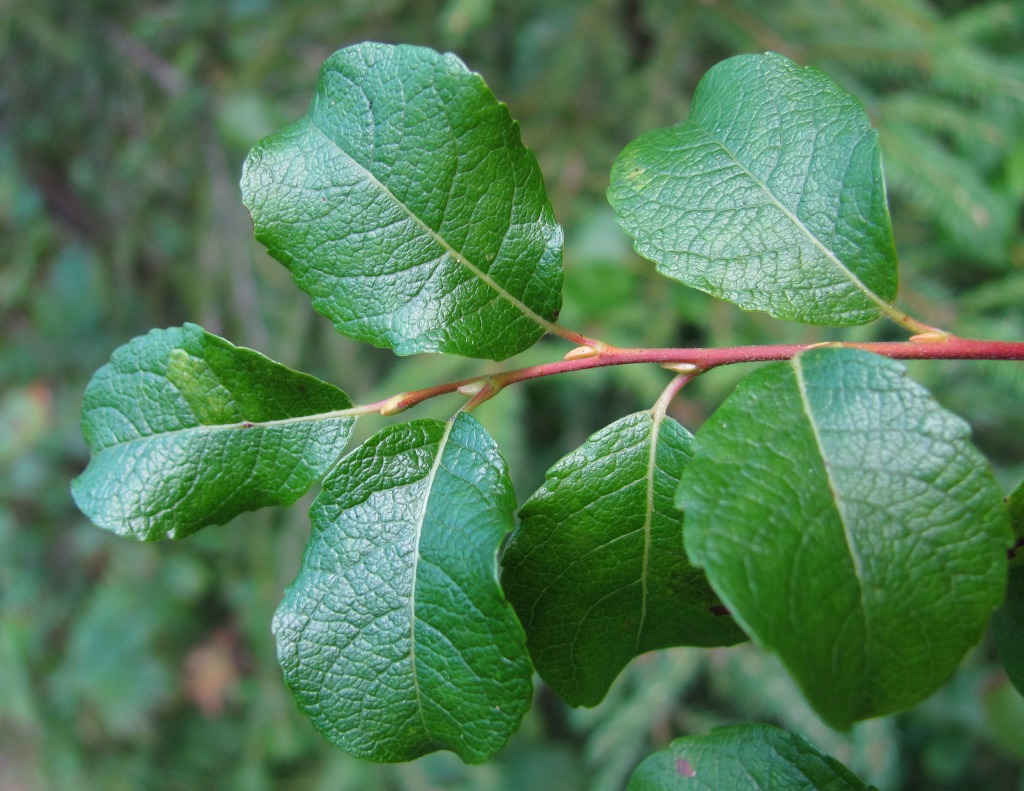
(187, 430)
(395, 637)
(596, 570)
(849, 525)
(406, 206)
(743, 758)
(771, 195)
(1008, 629)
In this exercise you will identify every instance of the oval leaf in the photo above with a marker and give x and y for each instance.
(406, 206)
(395, 638)
(743, 758)
(771, 195)
(849, 525)
(187, 430)
(596, 569)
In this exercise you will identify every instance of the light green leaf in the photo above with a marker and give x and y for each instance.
(743, 758)
(771, 195)
(187, 430)
(395, 638)
(406, 206)
(596, 569)
(849, 525)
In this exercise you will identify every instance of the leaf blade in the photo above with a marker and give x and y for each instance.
(771, 196)
(849, 526)
(407, 207)
(187, 430)
(744, 758)
(395, 637)
(599, 555)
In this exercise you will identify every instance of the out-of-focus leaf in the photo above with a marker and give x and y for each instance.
(1008, 628)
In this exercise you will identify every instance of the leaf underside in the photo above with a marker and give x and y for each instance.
(187, 430)
(743, 758)
(848, 525)
(596, 570)
(406, 206)
(770, 196)
(395, 638)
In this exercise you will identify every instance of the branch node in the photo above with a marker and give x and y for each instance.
(394, 405)
(681, 368)
(582, 352)
(936, 336)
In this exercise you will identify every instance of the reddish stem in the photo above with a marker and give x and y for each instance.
(944, 348)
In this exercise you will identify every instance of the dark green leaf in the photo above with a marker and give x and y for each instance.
(1008, 628)
(187, 430)
(395, 638)
(1015, 505)
(849, 525)
(406, 206)
(743, 758)
(596, 570)
(770, 196)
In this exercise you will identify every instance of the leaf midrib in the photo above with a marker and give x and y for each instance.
(858, 569)
(829, 254)
(482, 276)
(244, 425)
(656, 420)
(420, 519)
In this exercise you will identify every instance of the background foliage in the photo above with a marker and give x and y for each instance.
(123, 127)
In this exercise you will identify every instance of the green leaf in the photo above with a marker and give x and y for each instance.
(743, 758)
(1015, 505)
(596, 570)
(406, 206)
(395, 637)
(187, 430)
(771, 195)
(849, 525)
(1008, 628)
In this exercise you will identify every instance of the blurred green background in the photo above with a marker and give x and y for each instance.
(123, 126)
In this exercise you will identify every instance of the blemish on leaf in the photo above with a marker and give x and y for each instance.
(684, 768)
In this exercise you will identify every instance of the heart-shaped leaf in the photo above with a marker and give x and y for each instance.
(771, 195)
(187, 430)
(743, 758)
(596, 569)
(396, 638)
(849, 525)
(406, 206)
